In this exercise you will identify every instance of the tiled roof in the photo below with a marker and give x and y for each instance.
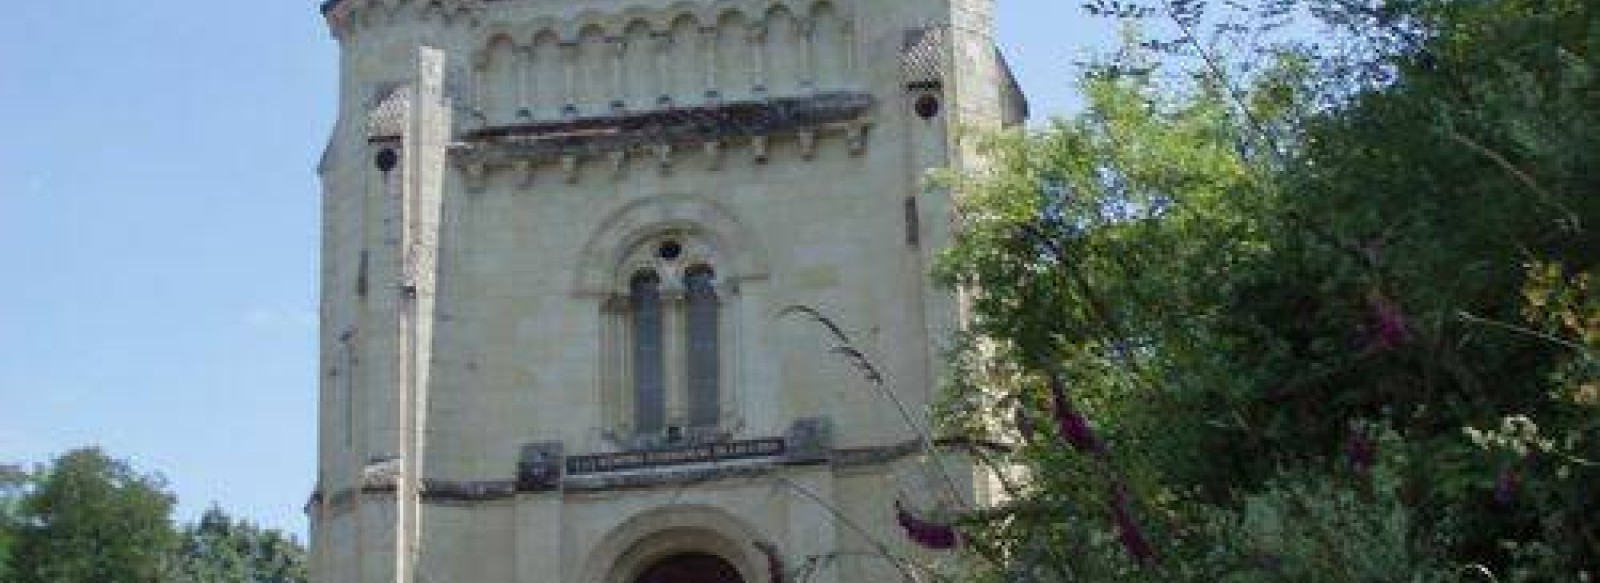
(387, 119)
(922, 60)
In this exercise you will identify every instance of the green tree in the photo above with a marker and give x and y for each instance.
(13, 481)
(221, 549)
(1293, 328)
(92, 519)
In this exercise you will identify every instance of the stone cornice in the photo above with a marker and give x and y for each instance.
(660, 134)
(659, 15)
(486, 491)
(343, 16)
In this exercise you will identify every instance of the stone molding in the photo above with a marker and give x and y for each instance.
(347, 16)
(662, 137)
(633, 544)
(743, 257)
(436, 491)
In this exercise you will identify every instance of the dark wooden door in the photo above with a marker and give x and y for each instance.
(691, 568)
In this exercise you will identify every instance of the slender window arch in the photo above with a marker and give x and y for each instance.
(666, 366)
(649, 352)
(702, 337)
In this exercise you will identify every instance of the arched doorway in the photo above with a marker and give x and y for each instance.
(691, 568)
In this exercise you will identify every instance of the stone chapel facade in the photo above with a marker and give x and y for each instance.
(561, 239)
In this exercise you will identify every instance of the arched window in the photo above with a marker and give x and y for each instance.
(649, 352)
(701, 338)
(666, 359)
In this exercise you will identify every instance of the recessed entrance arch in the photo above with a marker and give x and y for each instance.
(690, 568)
(689, 543)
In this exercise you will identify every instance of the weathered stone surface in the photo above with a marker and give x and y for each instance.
(477, 299)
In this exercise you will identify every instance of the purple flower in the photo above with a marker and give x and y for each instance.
(1506, 486)
(1361, 451)
(1389, 329)
(775, 568)
(939, 537)
(1073, 426)
(1128, 530)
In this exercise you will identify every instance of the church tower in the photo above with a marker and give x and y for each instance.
(572, 250)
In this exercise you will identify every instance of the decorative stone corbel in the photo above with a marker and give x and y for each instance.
(528, 170)
(663, 153)
(618, 160)
(856, 137)
(758, 147)
(713, 153)
(808, 144)
(569, 168)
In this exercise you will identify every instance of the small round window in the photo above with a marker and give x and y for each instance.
(927, 106)
(670, 250)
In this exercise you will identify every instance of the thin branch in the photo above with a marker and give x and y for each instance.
(873, 375)
(1523, 330)
(1515, 172)
(901, 565)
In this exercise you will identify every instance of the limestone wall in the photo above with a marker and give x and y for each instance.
(542, 223)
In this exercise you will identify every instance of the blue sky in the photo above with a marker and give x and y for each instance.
(158, 201)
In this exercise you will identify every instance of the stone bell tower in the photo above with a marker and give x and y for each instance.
(563, 243)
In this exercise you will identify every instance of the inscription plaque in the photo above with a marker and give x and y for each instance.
(710, 452)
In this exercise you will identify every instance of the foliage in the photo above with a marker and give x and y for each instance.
(1355, 319)
(13, 480)
(91, 518)
(221, 549)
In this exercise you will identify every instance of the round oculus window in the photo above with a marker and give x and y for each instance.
(927, 106)
(386, 159)
(670, 250)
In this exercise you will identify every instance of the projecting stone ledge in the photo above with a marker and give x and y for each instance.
(659, 135)
(471, 492)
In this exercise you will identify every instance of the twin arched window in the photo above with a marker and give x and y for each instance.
(672, 320)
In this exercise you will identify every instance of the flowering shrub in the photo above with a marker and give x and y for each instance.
(1248, 328)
